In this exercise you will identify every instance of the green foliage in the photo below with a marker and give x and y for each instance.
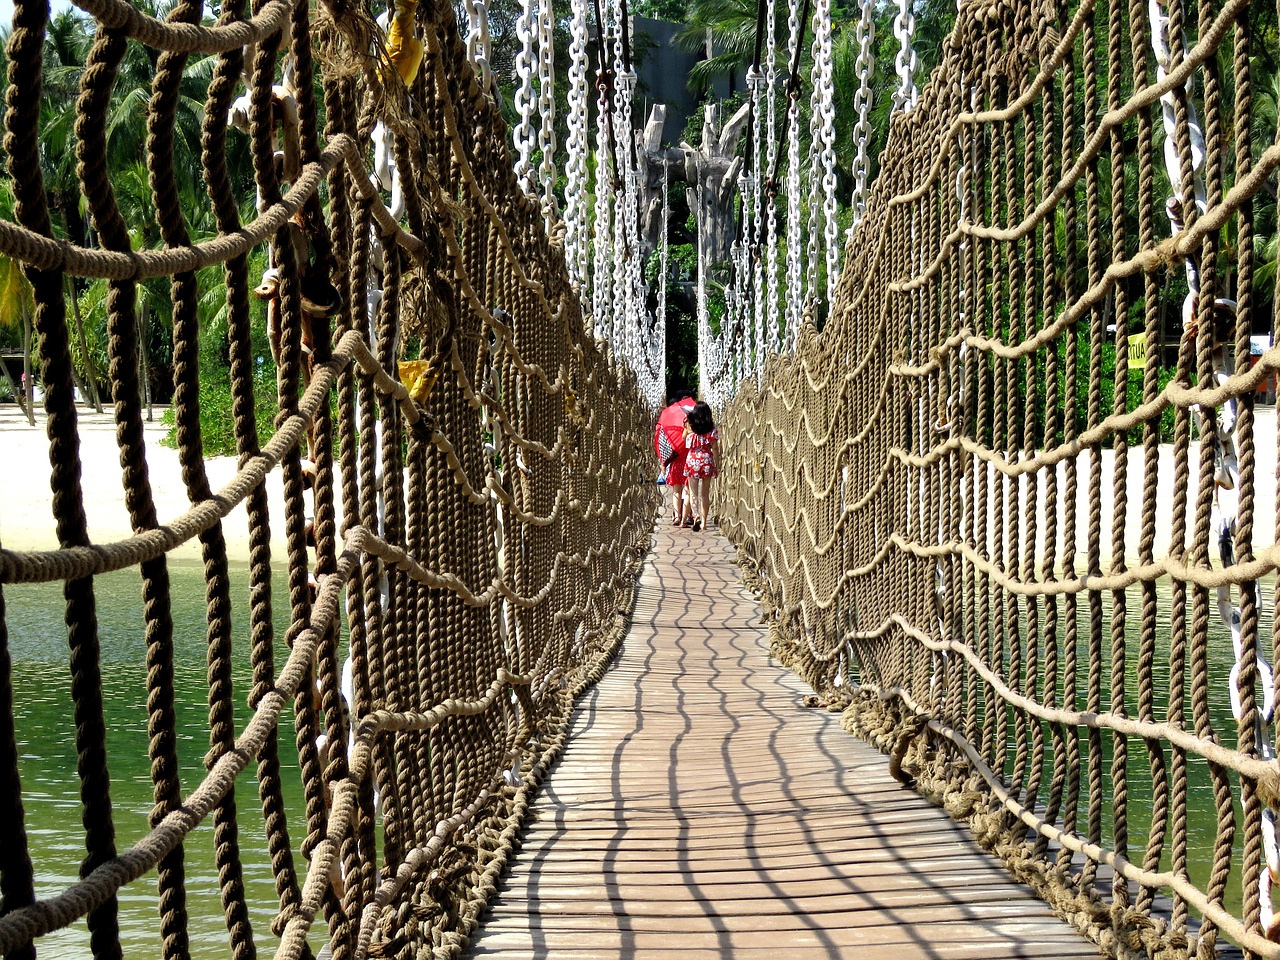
(216, 421)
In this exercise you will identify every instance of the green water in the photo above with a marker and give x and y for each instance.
(1201, 811)
(37, 639)
(47, 757)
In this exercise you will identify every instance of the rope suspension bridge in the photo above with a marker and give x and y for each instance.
(946, 476)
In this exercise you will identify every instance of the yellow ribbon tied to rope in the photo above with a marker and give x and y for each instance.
(419, 377)
(403, 48)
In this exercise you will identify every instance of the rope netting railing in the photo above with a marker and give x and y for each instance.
(465, 488)
(1028, 545)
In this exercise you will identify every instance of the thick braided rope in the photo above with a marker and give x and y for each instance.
(492, 513)
(953, 498)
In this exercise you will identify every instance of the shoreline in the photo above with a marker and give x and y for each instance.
(26, 517)
(26, 506)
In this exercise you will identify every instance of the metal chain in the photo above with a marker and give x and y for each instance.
(547, 109)
(576, 231)
(822, 167)
(754, 190)
(479, 44)
(866, 35)
(904, 28)
(768, 334)
(795, 237)
(602, 269)
(526, 32)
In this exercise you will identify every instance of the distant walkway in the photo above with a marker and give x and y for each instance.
(701, 811)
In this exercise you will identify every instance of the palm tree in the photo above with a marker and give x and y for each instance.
(17, 303)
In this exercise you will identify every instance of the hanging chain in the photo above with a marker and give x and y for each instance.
(602, 268)
(526, 27)
(575, 214)
(660, 324)
(795, 277)
(547, 110)
(768, 333)
(866, 36)
(904, 28)
(479, 45)
(822, 168)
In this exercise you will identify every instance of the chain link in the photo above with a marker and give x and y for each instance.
(904, 28)
(526, 27)
(865, 32)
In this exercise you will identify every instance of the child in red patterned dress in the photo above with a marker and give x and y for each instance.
(700, 461)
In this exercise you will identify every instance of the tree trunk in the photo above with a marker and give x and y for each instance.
(13, 389)
(144, 367)
(89, 380)
(28, 382)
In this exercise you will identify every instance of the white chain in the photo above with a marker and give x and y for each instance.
(479, 46)
(795, 289)
(626, 338)
(602, 268)
(904, 28)
(822, 211)
(526, 25)
(575, 234)
(547, 109)
(660, 327)
(769, 329)
(753, 346)
(866, 35)
(746, 322)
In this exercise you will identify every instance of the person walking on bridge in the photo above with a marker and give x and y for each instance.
(700, 466)
(669, 445)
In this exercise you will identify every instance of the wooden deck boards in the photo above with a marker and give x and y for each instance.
(700, 810)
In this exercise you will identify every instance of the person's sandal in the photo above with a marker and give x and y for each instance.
(688, 523)
(697, 526)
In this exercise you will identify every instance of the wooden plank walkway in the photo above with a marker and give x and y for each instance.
(700, 810)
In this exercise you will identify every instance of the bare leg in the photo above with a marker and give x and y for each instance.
(696, 504)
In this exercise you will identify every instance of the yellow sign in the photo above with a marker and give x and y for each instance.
(1138, 351)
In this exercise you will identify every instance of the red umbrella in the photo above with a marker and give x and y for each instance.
(668, 435)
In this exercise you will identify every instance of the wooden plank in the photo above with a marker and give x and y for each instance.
(699, 807)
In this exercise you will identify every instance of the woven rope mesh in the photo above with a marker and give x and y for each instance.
(1018, 560)
(464, 548)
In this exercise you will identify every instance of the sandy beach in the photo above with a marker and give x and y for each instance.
(26, 505)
